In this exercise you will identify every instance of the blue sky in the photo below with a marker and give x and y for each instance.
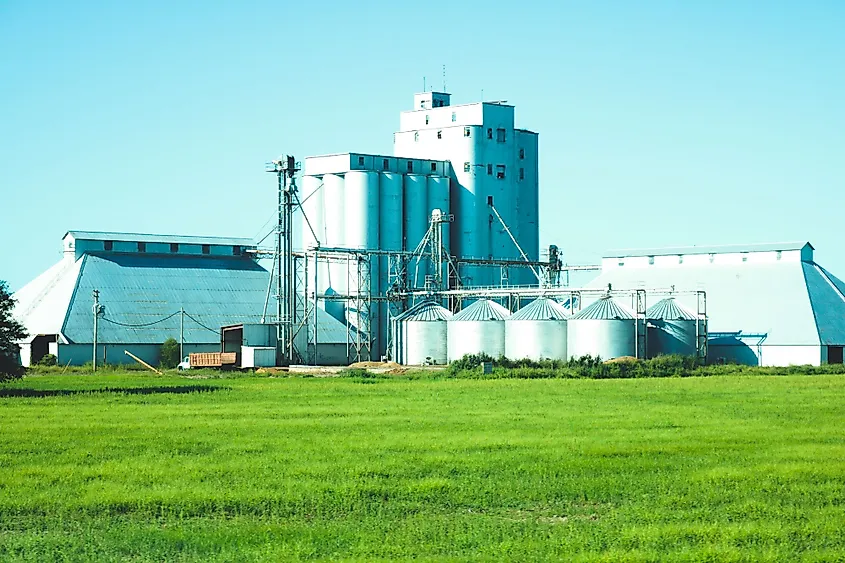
(661, 123)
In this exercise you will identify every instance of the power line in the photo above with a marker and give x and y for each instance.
(215, 331)
(141, 325)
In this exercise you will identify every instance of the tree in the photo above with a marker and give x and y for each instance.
(170, 354)
(11, 331)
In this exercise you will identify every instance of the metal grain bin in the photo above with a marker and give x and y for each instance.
(537, 332)
(420, 333)
(605, 329)
(671, 329)
(480, 328)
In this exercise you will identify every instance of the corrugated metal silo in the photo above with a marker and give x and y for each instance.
(420, 335)
(537, 331)
(438, 198)
(416, 222)
(605, 329)
(480, 328)
(671, 329)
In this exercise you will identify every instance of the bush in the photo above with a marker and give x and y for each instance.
(470, 362)
(11, 332)
(170, 354)
(48, 360)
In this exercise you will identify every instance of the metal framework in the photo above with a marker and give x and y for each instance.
(297, 300)
(285, 169)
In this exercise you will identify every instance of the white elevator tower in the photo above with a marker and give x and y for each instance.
(492, 161)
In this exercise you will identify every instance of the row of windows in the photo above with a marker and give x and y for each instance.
(385, 164)
(500, 170)
(711, 258)
(108, 245)
(501, 134)
(467, 133)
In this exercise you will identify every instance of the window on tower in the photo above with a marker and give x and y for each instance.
(434, 167)
(466, 166)
(521, 154)
(500, 171)
(466, 131)
(410, 166)
(522, 173)
(440, 134)
(416, 136)
(385, 164)
(454, 116)
(500, 135)
(361, 161)
(426, 119)
(489, 133)
(489, 169)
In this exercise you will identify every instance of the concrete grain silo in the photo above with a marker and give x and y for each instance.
(438, 198)
(416, 223)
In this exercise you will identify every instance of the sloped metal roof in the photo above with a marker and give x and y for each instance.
(179, 239)
(140, 291)
(718, 249)
(426, 311)
(670, 310)
(43, 302)
(541, 309)
(145, 289)
(827, 298)
(482, 310)
(604, 309)
(764, 298)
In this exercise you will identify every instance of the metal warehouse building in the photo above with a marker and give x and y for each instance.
(151, 287)
(769, 305)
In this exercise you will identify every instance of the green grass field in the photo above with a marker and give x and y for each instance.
(138, 468)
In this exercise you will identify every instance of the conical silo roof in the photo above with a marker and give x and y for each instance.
(669, 309)
(541, 309)
(426, 311)
(604, 309)
(483, 310)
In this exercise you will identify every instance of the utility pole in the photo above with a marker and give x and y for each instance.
(181, 332)
(285, 169)
(96, 311)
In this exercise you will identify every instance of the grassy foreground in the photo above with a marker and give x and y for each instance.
(131, 467)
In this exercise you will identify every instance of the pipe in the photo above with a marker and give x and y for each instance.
(140, 361)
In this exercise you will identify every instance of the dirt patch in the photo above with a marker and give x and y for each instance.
(272, 371)
(375, 365)
(622, 360)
